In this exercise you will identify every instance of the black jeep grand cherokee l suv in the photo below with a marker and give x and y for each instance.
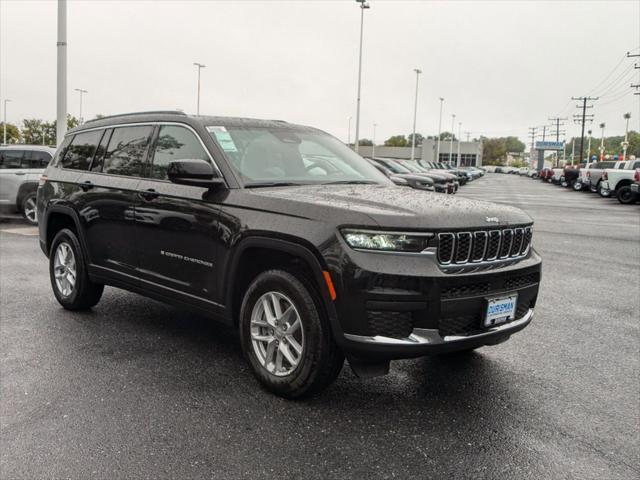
(284, 232)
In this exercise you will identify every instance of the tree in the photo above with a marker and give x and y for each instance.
(13, 133)
(365, 142)
(396, 141)
(32, 130)
(494, 151)
(514, 145)
(419, 139)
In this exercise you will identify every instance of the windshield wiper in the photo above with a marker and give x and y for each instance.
(351, 182)
(272, 184)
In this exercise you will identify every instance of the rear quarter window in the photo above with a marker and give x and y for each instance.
(36, 159)
(80, 152)
(127, 150)
(11, 158)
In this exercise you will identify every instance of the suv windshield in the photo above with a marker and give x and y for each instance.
(272, 156)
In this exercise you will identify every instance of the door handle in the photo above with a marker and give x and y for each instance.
(86, 186)
(20, 173)
(148, 194)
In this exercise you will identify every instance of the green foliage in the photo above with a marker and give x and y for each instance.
(396, 141)
(419, 139)
(13, 133)
(612, 145)
(365, 142)
(33, 130)
(494, 151)
(514, 145)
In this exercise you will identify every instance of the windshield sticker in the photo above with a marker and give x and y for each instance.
(224, 138)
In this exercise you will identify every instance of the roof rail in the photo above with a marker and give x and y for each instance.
(150, 112)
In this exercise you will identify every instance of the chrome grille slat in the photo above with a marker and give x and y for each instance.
(457, 251)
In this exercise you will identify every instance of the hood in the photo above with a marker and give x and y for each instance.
(391, 207)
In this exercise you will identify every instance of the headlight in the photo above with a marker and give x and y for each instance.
(386, 241)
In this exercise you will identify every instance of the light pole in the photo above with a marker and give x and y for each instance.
(349, 133)
(373, 152)
(453, 125)
(363, 5)
(81, 91)
(589, 132)
(439, 131)
(44, 135)
(602, 125)
(6, 100)
(200, 67)
(625, 144)
(458, 155)
(61, 87)
(415, 113)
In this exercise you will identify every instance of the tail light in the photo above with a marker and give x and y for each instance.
(636, 176)
(605, 176)
(43, 179)
(588, 174)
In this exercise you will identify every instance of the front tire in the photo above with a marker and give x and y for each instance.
(286, 337)
(577, 186)
(68, 273)
(29, 211)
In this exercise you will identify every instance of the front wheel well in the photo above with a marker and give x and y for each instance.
(25, 189)
(623, 183)
(255, 260)
(56, 222)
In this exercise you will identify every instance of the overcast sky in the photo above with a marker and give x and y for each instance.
(501, 66)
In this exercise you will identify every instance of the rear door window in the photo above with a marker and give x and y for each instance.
(36, 159)
(175, 143)
(11, 158)
(127, 150)
(98, 159)
(80, 152)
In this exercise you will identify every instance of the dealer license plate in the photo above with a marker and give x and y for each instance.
(500, 310)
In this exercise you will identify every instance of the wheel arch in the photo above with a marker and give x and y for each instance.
(58, 217)
(25, 189)
(258, 253)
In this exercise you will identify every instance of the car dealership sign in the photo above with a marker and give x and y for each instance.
(549, 145)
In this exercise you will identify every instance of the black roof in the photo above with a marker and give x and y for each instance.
(181, 117)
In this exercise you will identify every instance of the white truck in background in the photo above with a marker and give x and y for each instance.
(617, 181)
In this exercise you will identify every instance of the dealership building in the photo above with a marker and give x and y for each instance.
(470, 152)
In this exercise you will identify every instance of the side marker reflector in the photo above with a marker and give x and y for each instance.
(327, 279)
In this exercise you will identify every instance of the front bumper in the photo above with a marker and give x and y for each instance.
(635, 188)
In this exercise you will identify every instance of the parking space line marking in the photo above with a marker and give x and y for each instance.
(26, 231)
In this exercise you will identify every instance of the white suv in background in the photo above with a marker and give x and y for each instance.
(20, 170)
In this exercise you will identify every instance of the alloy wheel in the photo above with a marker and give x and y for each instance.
(30, 211)
(277, 336)
(64, 268)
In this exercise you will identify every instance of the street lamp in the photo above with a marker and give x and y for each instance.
(415, 113)
(81, 91)
(349, 133)
(200, 67)
(373, 151)
(439, 131)
(625, 144)
(458, 155)
(363, 6)
(589, 132)
(6, 100)
(602, 125)
(453, 124)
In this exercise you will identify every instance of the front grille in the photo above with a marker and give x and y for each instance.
(390, 324)
(468, 290)
(515, 283)
(466, 248)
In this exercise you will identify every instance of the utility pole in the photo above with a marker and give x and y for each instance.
(437, 159)
(625, 144)
(6, 100)
(544, 133)
(363, 5)
(453, 126)
(589, 132)
(81, 91)
(415, 113)
(532, 132)
(61, 87)
(573, 149)
(200, 67)
(468, 134)
(458, 154)
(557, 121)
(349, 133)
(584, 114)
(602, 125)
(373, 152)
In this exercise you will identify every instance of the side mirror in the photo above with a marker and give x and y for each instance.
(194, 172)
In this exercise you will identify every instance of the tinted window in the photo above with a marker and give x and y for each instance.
(126, 151)
(11, 158)
(35, 159)
(175, 143)
(80, 153)
(636, 165)
(96, 166)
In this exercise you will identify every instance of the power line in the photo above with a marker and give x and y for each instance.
(584, 117)
(558, 122)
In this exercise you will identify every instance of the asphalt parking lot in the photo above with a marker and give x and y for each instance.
(137, 389)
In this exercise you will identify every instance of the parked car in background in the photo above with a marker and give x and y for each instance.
(556, 177)
(441, 183)
(594, 174)
(474, 172)
(20, 169)
(523, 170)
(617, 181)
(545, 174)
(635, 186)
(419, 182)
(570, 175)
(440, 168)
(532, 173)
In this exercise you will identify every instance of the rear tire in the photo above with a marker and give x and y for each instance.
(603, 193)
(577, 186)
(28, 206)
(68, 273)
(290, 361)
(625, 195)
